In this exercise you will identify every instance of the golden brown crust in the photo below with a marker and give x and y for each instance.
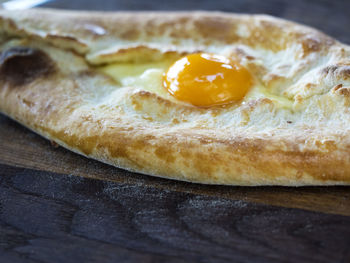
(252, 143)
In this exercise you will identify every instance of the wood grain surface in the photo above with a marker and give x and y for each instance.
(53, 209)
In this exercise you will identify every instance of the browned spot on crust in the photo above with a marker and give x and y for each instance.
(344, 91)
(298, 98)
(86, 145)
(136, 104)
(147, 118)
(203, 164)
(22, 65)
(311, 44)
(326, 145)
(345, 72)
(165, 154)
(185, 154)
(337, 87)
(320, 165)
(240, 54)
(130, 34)
(177, 32)
(310, 86)
(329, 69)
(266, 35)
(175, 121)
(118, 151)
(216, 27)
(175, 27)
(314, 42)
(28, 103)
(338, 71)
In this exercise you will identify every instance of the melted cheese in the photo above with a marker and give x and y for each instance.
(149, 77)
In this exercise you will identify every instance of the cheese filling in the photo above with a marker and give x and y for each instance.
(149, 77)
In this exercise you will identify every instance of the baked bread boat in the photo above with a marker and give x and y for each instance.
(94, 84)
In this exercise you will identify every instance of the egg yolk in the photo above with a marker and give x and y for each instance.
(207, 80)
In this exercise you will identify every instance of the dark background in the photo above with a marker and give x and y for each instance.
(52, 210)
(332, 17)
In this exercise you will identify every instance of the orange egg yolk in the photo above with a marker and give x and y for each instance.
(207, 80)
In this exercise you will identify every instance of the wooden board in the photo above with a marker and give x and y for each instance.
(53, 209)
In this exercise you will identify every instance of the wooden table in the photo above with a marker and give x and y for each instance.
(52, 210)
